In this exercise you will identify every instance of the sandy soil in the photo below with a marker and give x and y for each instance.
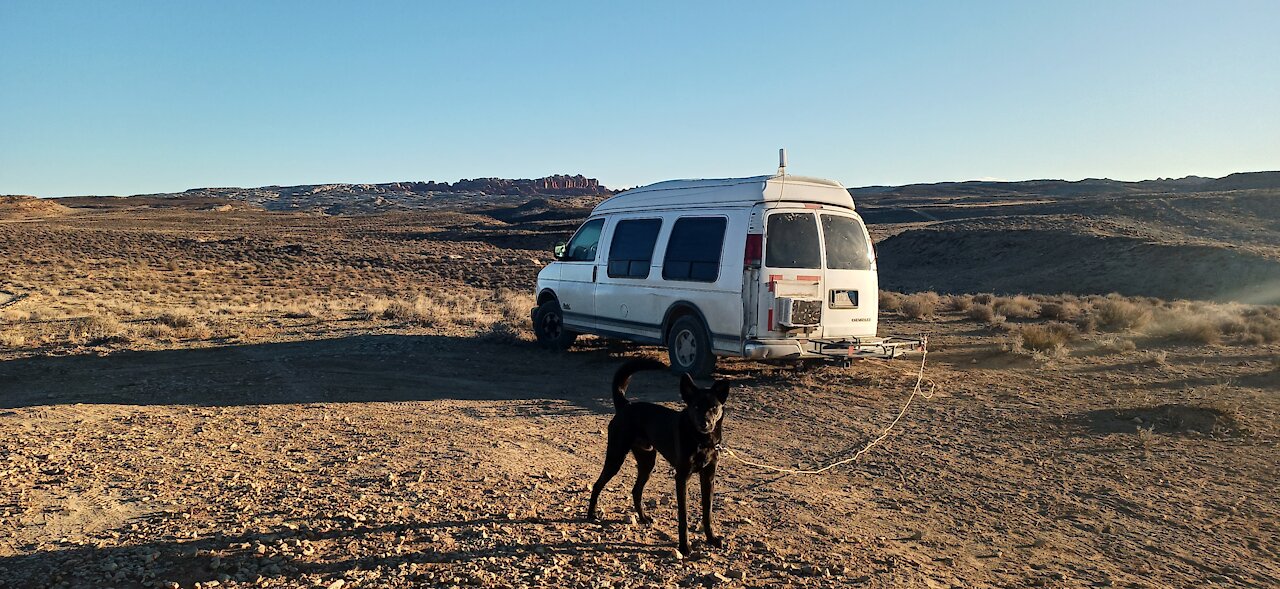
(353, 451)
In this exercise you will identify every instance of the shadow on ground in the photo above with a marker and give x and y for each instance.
(193, 561)
(357, 369)
(1161, 419)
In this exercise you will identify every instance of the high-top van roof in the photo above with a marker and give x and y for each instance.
(728, 192)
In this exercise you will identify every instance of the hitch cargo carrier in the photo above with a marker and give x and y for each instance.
(842, 349)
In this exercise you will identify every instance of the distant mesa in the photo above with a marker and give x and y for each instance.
(356, 199)
(21, 206)
(558, 185)
(958, 192)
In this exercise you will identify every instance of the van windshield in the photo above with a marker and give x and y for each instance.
(791, 241)
(582, 248)
(846, 242)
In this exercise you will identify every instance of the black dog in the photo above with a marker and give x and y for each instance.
(687, 439)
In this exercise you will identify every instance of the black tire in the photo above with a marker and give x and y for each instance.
(689, 348)
(548, 326)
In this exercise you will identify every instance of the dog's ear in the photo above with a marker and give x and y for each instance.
(687, 388)
(721, 389)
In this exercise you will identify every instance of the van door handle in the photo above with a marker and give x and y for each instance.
(594, 270)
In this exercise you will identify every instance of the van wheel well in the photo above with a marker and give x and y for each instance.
(545, 296)
(674, 314)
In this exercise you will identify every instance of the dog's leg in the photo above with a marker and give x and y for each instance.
(708, 482)
(615, 455)
(682, 484)
(644, 466)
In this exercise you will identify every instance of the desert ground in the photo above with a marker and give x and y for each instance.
(202, 393)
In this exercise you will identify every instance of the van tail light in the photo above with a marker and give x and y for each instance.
(754, 251)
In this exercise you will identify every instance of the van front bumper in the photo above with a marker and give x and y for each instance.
(832, 348)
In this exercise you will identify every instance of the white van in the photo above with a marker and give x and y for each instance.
(769, 267)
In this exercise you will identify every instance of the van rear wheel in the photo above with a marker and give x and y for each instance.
(548, 326)
(689, 348)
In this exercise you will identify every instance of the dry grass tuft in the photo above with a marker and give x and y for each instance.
(176, 319)
(98, 329)
(157, 331)
(1116, 345)
(13, 340)
(1059, 310)
(959, 303)
(512, 322)
(890, 301)
(419, 310)
(1199, 330)
(921, 305)
(503, 314)
(1147, 440)
(1017, 307)
(1263, 327)
(1157, 358)
(1049, 337)
(985, 298)
(985, 314)
(1115, 314)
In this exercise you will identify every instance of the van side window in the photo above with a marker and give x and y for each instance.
(846, 243)
(582, 248)
(792, 241)
(631, 250)
(693, 250)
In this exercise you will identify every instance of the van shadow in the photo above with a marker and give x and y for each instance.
(356, 369)
(238, 556)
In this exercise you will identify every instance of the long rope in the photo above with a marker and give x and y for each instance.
(915, 391)
(14, 300)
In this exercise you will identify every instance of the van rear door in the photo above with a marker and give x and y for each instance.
(851, 298)
(821, 259)
(791, 269)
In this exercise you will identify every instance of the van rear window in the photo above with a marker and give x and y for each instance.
(791, 241)
(631, 251)
(693, 250)
(846, 243)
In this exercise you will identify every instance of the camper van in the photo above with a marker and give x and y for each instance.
(770, 267)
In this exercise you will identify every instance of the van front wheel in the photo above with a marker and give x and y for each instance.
(548, 326)
(689, 347)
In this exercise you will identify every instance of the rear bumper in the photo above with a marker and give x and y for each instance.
(835, 349)
(758, 350)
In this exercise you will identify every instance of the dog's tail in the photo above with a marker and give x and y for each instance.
(622, 378)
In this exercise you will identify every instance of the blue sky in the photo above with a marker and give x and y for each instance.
(136, 97)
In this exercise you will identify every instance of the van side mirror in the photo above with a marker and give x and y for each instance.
(558, 250)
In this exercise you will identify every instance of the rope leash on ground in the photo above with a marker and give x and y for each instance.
(14, 300)
(915, 391)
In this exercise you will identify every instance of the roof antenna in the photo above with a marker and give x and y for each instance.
(782, 162)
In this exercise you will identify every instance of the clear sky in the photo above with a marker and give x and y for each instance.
(108, 97)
